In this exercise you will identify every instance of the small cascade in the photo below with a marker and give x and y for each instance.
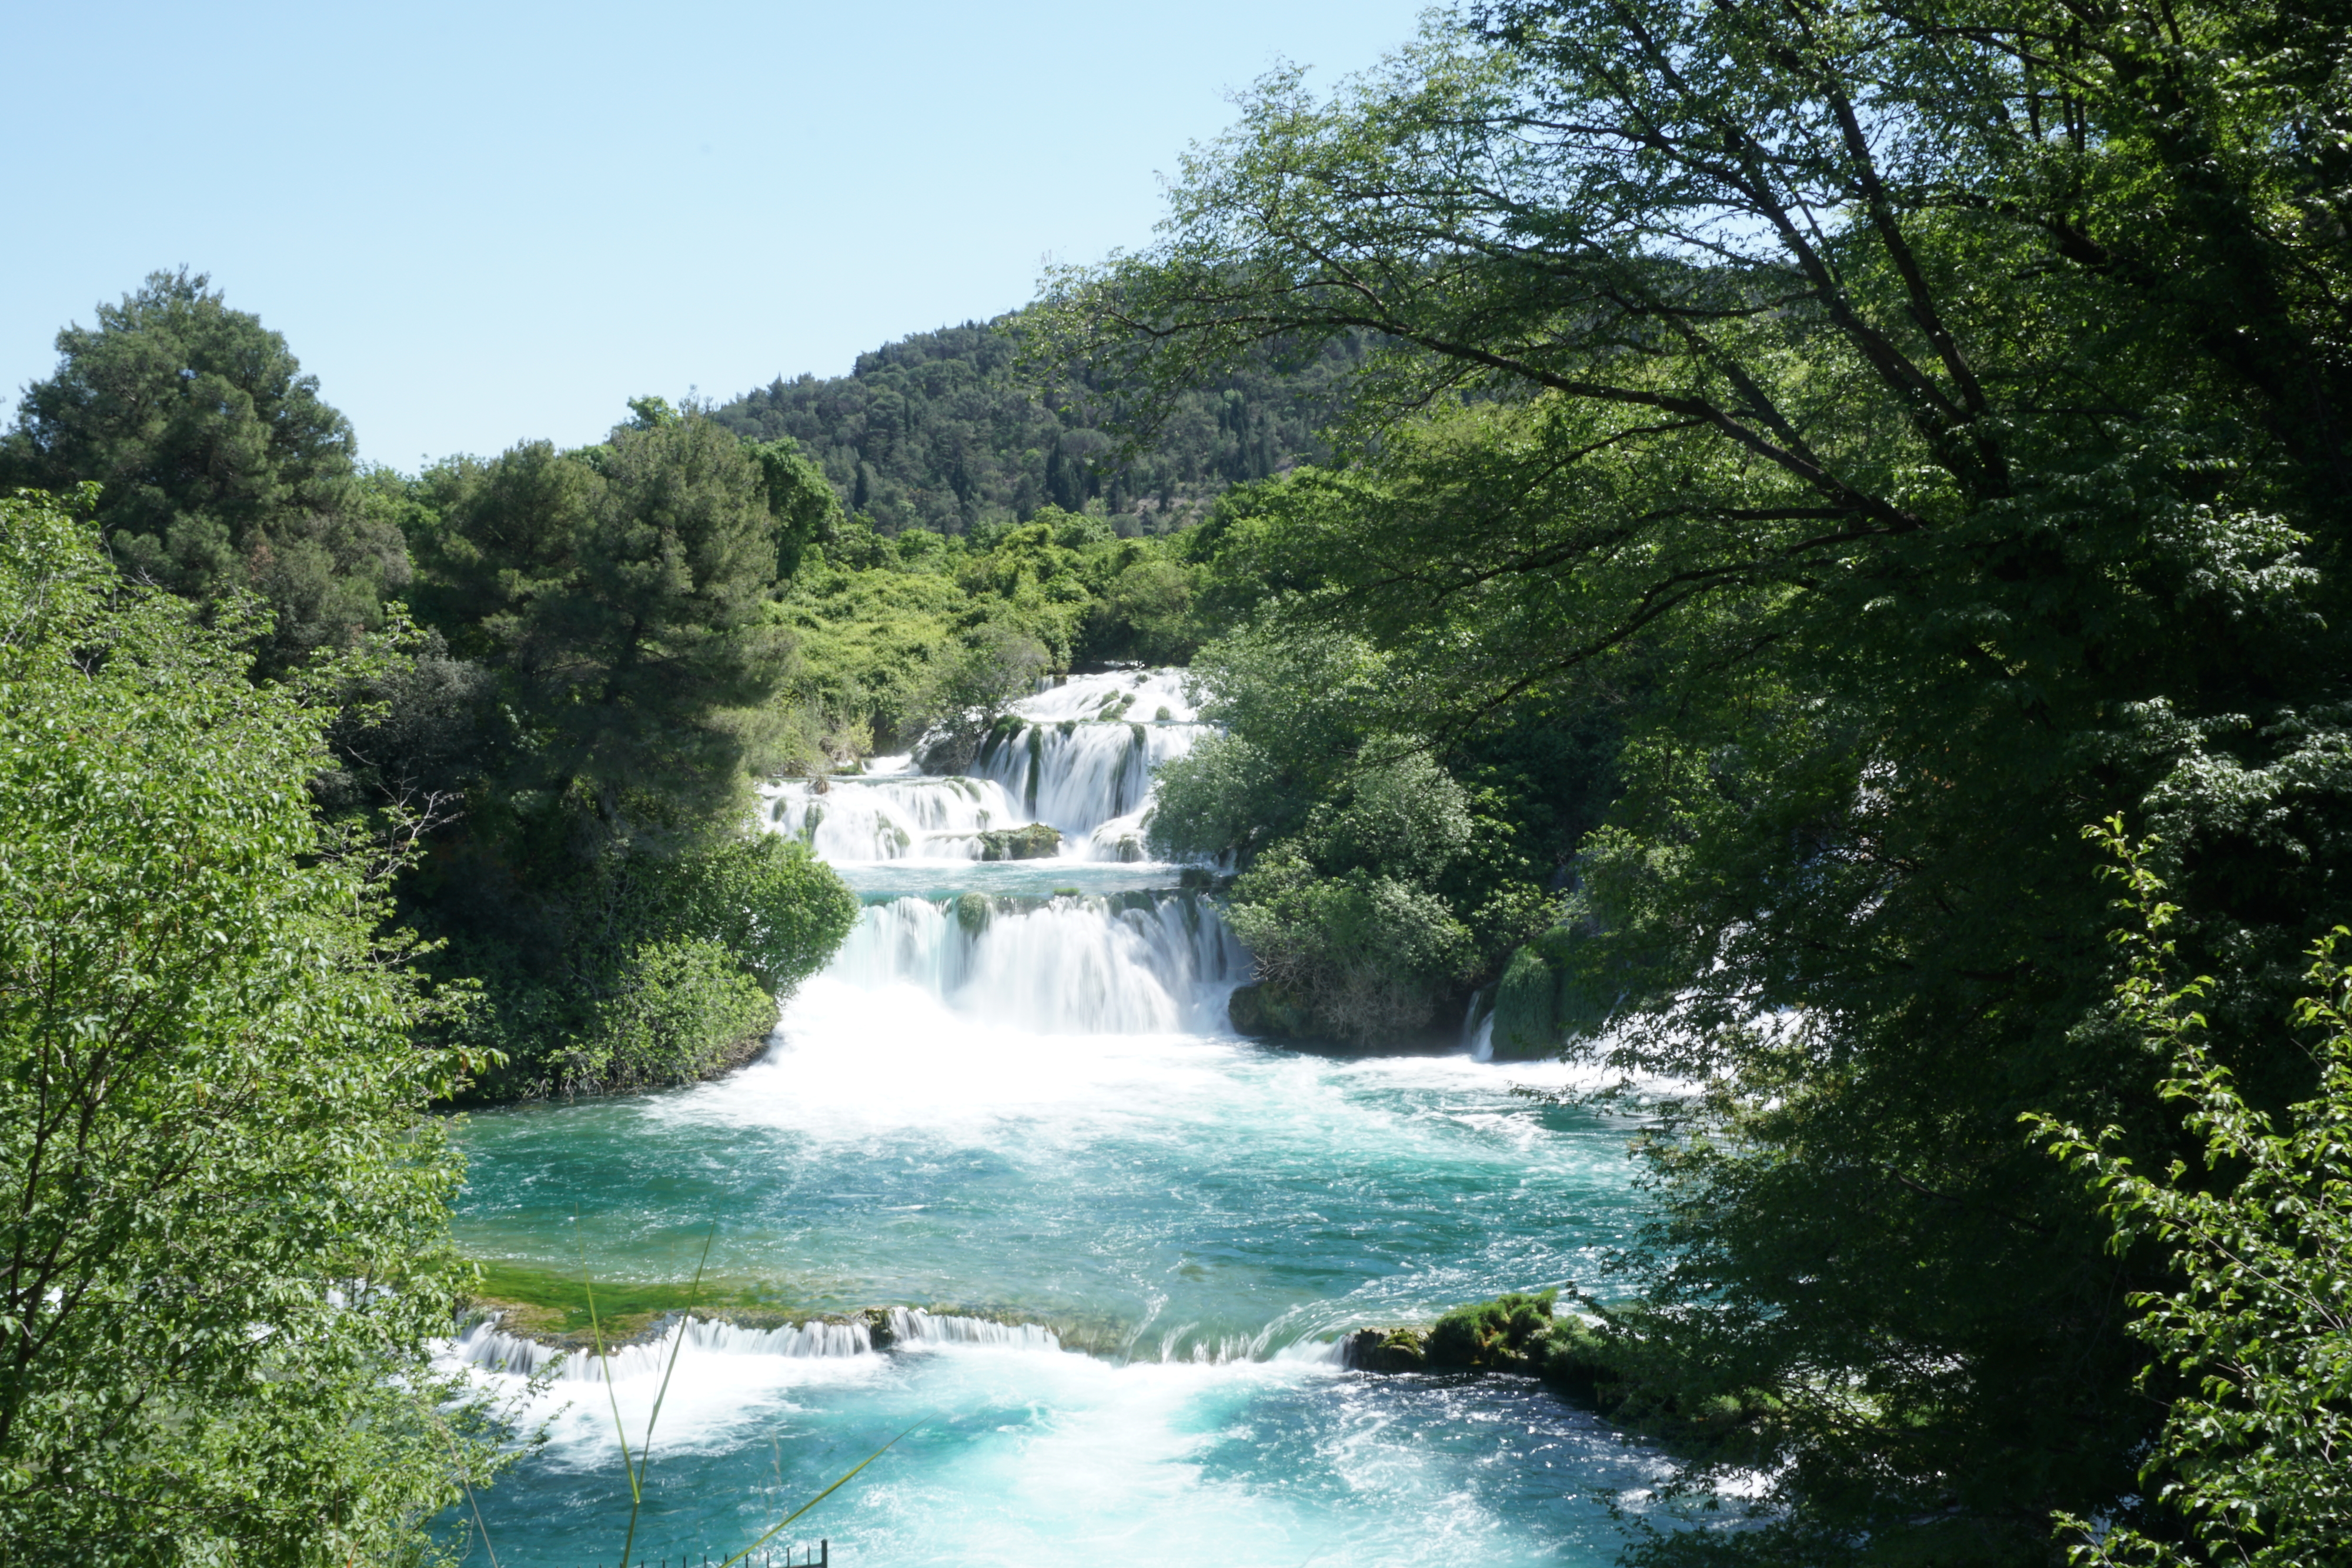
(914, 1326)
(1083, 777)
(1478, 1025)
(1138, 963)
(904, 816)
(492, 1348)
(487, 1345)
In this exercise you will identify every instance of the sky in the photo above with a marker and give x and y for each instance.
(482, 223)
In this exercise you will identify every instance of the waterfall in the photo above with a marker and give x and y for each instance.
(1079, 758)
(1083, 777)
(894, 817)
(1137, 963)
(485, 1345)
(913, 1326)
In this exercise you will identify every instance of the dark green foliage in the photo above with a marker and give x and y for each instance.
(606, 661)
(678, 1009)
(1928, 459)
(803, 505)
(2255, 1323)
(227, 1236)
(621, 594)
(1526, 1005)
(1557, 992)
(943, 430)
(1378, 888)
(1350, 917)
(223, 471)
(596, 947)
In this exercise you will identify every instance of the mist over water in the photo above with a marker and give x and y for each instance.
(1132, 1237)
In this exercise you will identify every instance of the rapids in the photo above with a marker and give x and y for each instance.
(1118, 1242)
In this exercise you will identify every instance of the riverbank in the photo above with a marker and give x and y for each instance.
(500, 1089)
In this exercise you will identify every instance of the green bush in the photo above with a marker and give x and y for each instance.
(683, 1009)
(555, 957)
(1503, 1334)
(228, 1205)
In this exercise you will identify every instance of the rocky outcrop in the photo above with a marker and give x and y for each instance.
(1262, 1010)
(1513, 1332)
(1035, 842)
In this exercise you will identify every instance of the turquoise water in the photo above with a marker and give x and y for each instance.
(1201, 1214)
(1038, 1118)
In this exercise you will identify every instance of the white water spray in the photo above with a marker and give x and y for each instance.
(1127, 964)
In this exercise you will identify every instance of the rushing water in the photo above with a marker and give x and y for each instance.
(1123, 1240)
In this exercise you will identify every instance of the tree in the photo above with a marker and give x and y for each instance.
(1926, 422)
(223, 470)
(2256, 1325)
(226, 1244)
(622, 595)
(611, 650)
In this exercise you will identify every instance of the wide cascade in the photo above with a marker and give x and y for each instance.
(1077, 759)
(1006, 1177)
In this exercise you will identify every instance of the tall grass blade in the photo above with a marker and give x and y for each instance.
(646, 1448)
(620, 1430)
(773, 1529)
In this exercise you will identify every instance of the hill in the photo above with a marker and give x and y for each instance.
(943, 430)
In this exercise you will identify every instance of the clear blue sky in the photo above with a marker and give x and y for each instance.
(481, 223)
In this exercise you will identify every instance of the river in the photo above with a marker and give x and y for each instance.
(1132, 1236)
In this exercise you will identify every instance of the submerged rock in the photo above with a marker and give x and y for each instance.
(1036, 842)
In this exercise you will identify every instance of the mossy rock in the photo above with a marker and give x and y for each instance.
(1606, 1363)
(1384, 1349)
(1504, 1334)
(1038, 842)
(1260, 1009)
(575, 1315)
(972, 912)
(1525, 1019)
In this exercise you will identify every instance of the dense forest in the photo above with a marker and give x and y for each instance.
(1792, 556)
(949, 431)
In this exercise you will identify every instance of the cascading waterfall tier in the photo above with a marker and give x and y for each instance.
(1078, 757)
(1129, 963)
(487, 1345)
(893, 817)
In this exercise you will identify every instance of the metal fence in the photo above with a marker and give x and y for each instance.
(802, 1556)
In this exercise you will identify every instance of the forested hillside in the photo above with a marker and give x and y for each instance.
(943, 430)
